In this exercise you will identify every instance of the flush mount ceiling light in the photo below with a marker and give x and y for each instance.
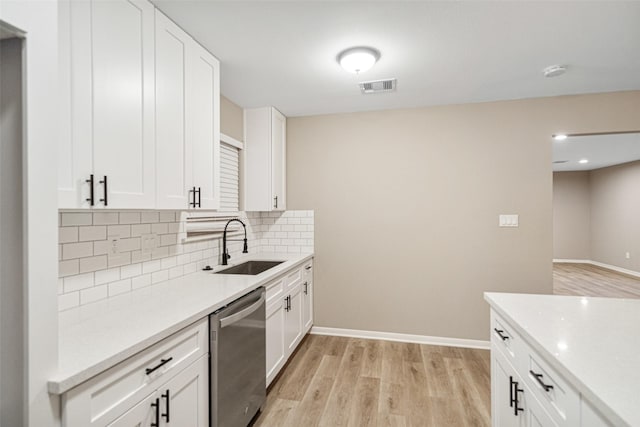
(560, 137)
(554, 70)
(358, 59)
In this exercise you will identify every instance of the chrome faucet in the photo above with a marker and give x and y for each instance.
(225, 252)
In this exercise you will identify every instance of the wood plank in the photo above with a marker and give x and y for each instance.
(364, 411)
(472, 400)
(591, 280)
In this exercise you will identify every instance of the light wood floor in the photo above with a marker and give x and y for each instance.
(335, 381)
(592, 281)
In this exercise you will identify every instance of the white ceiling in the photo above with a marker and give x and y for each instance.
(283, 53)
(600, 150)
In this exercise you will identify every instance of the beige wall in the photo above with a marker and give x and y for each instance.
(571, 215)
(615, 215)
(231, 119)
(407, 202)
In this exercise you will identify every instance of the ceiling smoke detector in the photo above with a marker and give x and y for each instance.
(554, 70)
(378, 86)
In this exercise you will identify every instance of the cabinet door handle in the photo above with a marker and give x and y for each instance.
(166, 396)
(538, 378)
(156, 406)
(199, 198)
(275, 202)
(500, 334)
(193, 191)
(91, 199)
(306, 288)
(104, 189)
(158, 366)
(513, 396)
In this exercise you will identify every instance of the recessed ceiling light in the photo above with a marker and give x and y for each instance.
(358, 59)
(560, 137)
(554, 70)
(583, 161)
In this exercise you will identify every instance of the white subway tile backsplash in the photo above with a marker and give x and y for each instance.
(160, 276)
(141, 281)
(67, 234)
(93, 263)
(77, 282)
(77, 250)
(161, 228)
(129, 217)
(121, 231)
(119, 287)
(138, 230)
(88, 272)
(71, 218)
(131, 270)
(68, 268)
(168, 239)
(167, 216)
(149, 217)
(105, 218)
(106, 276)
(69, 300)
(96, 232)
(93, 294)
(151, 266)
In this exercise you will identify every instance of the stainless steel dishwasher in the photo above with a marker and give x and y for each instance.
(238, 365)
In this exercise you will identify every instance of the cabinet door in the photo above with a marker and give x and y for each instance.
(275, 338)
(122, 54)
(75, 145)
(141, 415)
(173, 145)
(307, 298)
(184, 400)
(278, 159)
(502, 377)
(204, 113)
(293, 320)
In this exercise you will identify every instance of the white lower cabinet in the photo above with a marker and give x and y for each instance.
(307, 297)
(165, 384)
(513, 404)
(527, 391)
(289, 316)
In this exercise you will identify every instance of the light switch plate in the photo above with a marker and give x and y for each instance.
(510, 220)
(149, 242)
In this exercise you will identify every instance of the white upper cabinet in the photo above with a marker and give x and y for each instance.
(173, 144)
(187, 120)
(205, 126)
(140, 106)
(110, 56)
(265, 164)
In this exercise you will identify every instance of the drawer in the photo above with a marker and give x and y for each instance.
(275, 290)
(294, 278)
(559, 399)
(104, 397)
(505, 338)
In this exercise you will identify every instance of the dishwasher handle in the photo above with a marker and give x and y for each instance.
(226, 321)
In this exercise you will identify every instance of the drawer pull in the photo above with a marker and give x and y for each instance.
(160, 365)
(500, 334)
(538, 378)
(306, 288)
(308, 267)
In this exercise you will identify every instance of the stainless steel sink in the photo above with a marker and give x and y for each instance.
(250, 267)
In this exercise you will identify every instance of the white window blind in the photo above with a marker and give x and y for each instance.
(229, 178)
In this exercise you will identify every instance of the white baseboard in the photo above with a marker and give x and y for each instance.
(599, 264)
(391, 336)
(572, 261)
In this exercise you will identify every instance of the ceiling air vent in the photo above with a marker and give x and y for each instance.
(378, 86)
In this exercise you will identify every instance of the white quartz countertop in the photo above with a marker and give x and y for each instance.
(97, 336)
(593, 342)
